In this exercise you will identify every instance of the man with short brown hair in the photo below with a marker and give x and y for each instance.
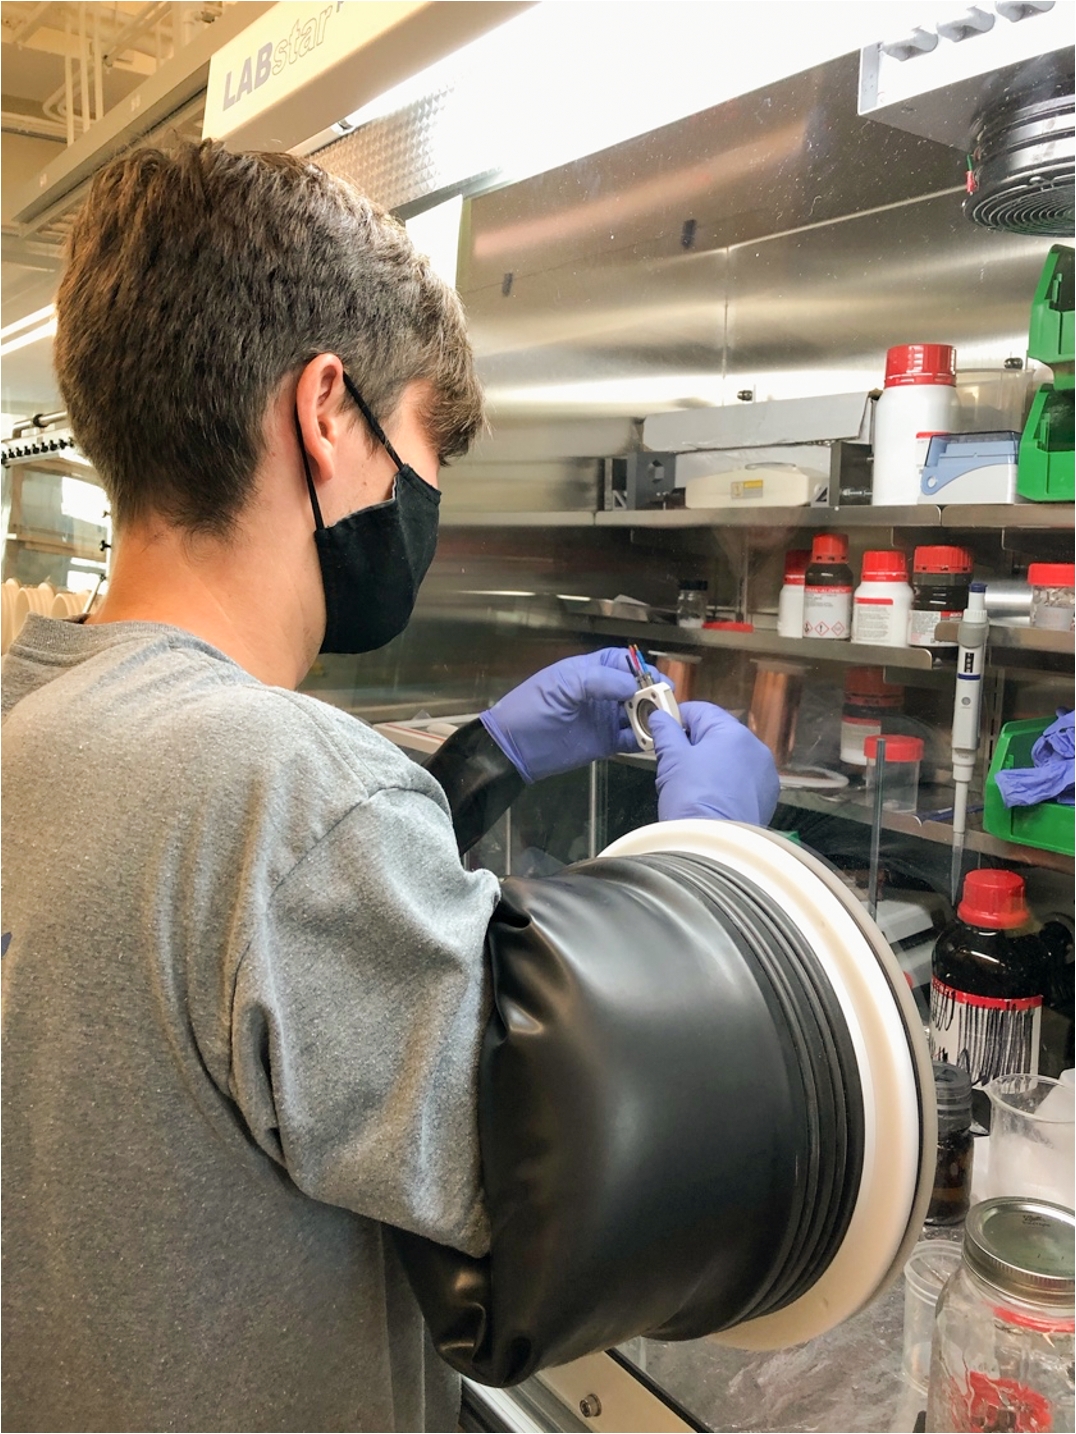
(242, 1021)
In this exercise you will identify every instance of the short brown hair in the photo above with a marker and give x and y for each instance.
(197, 280)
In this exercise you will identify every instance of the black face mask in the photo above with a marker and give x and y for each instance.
(373, 561)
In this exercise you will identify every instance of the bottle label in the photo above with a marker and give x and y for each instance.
(854, 734)
(1055, 619)
(827, 612)
(873, 620)
(986, 1036)
(790, 610)
(921, 627)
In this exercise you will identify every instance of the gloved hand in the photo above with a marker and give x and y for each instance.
(565, 716)
(713, 767)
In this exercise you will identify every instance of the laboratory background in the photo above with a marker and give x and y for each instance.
(773, 307)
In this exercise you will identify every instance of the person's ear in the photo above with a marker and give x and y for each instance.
(321, 421)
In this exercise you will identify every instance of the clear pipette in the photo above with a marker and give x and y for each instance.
(971, 653)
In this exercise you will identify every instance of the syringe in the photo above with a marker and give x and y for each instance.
(971, 653)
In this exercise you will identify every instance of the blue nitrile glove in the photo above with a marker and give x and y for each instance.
(712, 767)
(1050, 777)
(565, 716)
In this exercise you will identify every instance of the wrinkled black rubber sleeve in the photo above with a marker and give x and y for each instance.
(479, 781)
(642, 1123)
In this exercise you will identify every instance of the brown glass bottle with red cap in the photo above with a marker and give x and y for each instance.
(989, 972)
(827, 589)
(941, 575)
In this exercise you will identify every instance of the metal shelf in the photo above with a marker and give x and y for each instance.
(763, 640)
(920, 515)
(1013, 646)
(856, 807)
(987, 517)
(1009, 515)
(659, 636)
(1009, 647)
(471, 518)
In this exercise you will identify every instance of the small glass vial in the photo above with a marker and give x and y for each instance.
(1002, 1352)
(883, 600)
(790, 603)
(900, 782)
(691, 602)
(1053, 595)
(952, 1174)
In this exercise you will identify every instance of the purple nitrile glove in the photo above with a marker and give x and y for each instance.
(712, 767)
(565, 716)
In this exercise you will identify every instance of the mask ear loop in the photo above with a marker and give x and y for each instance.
(375, 427)
(309, 480)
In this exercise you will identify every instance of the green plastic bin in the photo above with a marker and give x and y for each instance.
(1049, 825)
(1045, 471)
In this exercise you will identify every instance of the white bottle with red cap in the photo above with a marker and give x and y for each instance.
(920, 397)
(790, 602)
(882, 602)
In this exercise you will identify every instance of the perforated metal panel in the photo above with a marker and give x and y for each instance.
(396, 160)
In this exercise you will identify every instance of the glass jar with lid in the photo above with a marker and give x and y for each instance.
(1053, 595)
(691, 602)
(1002, 1352)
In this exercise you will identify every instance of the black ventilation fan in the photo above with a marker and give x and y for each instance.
(1022, 164)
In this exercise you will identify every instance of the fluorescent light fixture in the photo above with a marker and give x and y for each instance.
(43, 331)
(444, 74)
(561, 81)
(36, 317)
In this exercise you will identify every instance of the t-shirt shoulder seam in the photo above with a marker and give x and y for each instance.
(303, 858)
(308, 708)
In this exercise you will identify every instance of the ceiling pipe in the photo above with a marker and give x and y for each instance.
(51, 107)
(162, 97)
(39, 420)
(98, 66)
(121, 42)
(144, 20)
(33, 126)
(31, 23)
(68, 92)
(84, 108)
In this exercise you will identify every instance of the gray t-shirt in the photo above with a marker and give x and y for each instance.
(243, 1000)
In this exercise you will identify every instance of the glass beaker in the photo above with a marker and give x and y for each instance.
(1032, 1147)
